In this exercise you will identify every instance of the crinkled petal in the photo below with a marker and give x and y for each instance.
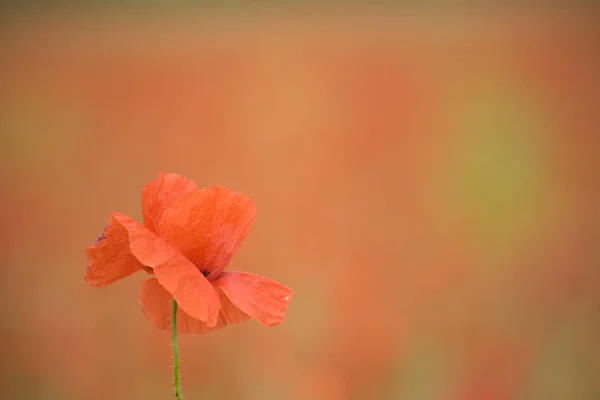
(261, 298)
(208, 226)
(110, 258)
(156, 303)
(192, 291)
(158, 194)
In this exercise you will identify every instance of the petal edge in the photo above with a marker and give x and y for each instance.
(110, 258)
(157, 196)
(261, 298)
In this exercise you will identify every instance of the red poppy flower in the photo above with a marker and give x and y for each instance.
(188, 237)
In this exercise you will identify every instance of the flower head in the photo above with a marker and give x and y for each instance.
(188, 238)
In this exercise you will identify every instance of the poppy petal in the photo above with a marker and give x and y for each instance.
(231, 313)
(193, 292)
(110, 258)
(158, 194)
(208, 226)
(156, 303)
(261, 298)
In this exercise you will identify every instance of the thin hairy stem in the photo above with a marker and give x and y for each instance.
(176, 380)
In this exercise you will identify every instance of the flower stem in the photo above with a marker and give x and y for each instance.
(176, 381)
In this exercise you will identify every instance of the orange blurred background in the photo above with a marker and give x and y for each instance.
(427, 181)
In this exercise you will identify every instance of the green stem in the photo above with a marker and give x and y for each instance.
(176, 381)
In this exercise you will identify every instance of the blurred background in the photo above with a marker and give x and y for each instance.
(427, 182)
